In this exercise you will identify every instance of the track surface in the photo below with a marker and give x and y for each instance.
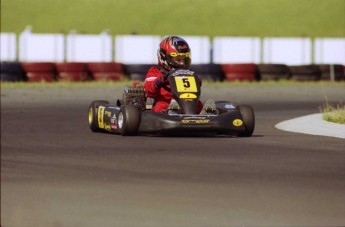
(55, 172)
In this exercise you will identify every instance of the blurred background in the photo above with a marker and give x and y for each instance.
(302, 18)
(263, 38)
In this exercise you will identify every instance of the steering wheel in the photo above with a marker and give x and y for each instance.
(165, 86)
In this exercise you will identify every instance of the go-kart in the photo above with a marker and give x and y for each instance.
(132, 115)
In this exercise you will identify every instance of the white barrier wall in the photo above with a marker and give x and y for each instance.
(136, 49)
(236, 50)
(89, 48)
(200, 48)
(142, 49)
(8, 47)
(289, 51)
(329, 51)
(41, 47)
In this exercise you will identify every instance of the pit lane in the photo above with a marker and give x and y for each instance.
(55, 172)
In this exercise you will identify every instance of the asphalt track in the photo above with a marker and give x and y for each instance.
(56, 172)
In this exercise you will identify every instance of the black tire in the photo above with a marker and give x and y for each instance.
(326, 71)
(208, 72)
(12, 72)
(93, 108)
(273, 72)
(248, 117)
(128, 120)
(8, 77)
(305, 73)
(11, 67)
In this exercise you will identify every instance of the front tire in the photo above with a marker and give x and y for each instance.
(93, 115)
(128, 120)
(248, 118)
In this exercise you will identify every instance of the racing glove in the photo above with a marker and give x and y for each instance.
(160, 81)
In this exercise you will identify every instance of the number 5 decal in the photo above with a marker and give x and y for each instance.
(186, 84)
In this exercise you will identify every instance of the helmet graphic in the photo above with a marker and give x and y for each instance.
(174, 53)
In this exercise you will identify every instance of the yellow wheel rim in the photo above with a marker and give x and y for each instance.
(90, 116)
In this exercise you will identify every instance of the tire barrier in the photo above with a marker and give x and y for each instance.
(305, 72)
(273, 72)
(114, 71)
(332, 72)
(12, 72)
(72, 71)
(108, 71)
(212, 72)
(39, 71)
(240, 72)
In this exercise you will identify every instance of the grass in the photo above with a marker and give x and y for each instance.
(262, 18)
(335, 114)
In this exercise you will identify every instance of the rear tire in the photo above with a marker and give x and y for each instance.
(248, 117)
(128, 120)
(93, 115)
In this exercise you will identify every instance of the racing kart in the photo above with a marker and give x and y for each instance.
(132, 115)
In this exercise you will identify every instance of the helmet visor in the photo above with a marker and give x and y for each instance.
(180, 60)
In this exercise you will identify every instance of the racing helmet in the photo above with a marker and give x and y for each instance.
(174, 53)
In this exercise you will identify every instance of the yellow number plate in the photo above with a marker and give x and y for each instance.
(186, 84)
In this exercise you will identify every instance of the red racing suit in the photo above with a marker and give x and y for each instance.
(161, 96)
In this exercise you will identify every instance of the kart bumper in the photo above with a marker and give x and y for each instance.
(226, 123)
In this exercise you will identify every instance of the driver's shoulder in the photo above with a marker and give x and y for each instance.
(154, 70)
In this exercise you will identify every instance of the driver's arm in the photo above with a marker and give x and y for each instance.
(153, 82)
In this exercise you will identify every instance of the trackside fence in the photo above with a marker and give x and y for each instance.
(83, 57)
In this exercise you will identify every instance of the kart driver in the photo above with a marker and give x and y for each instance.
(173, 53)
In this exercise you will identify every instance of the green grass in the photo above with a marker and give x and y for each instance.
(311, 18)
(334, 114)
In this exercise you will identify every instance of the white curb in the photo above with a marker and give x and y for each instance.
(314, 125)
